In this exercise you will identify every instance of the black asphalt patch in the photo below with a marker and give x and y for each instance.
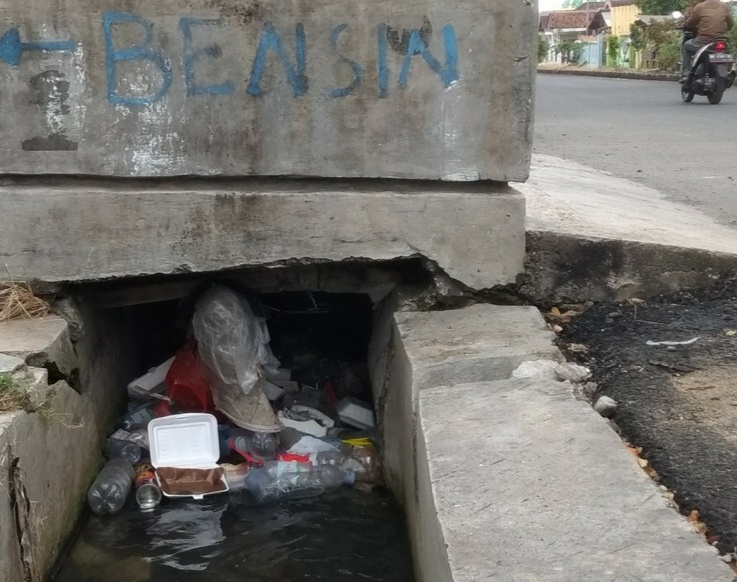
(680, 403)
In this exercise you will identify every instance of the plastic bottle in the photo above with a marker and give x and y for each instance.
(263, 445)
(286, 479)
(370, 462)
(363, 461)
(260, 445)
(122, 449)
(111, 487)
(333, 458)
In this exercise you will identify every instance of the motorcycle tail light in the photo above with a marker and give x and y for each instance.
(720, 46)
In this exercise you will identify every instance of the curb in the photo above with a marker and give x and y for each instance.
(612, 74)
(614, 269)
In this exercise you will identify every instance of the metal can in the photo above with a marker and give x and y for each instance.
(148, 492)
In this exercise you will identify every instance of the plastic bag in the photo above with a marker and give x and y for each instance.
(234, 346)
(185, 384)
(232, 341)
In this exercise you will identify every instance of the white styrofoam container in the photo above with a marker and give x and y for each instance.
(152, 382)
(185, 441)
(356, 413)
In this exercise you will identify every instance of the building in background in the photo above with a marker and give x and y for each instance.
(567, 32)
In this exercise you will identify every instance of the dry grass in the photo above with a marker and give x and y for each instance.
(18, 301)
(11, 398)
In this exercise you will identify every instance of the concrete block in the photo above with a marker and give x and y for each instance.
(427, 349)
(39, 342)
(530, 484)
(431, 89)
(476, 344)
(594, 236)
(10, 364)
(48, 482)
(476, 235)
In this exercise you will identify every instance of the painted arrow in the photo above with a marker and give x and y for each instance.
(11, 46)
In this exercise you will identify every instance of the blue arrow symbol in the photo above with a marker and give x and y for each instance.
(11, 46)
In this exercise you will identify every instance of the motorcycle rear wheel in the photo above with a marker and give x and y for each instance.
(715, 97)
(686, 94)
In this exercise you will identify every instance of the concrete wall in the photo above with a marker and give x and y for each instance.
(435, 89)
(414, 351)
(51, 449)
(83, 231)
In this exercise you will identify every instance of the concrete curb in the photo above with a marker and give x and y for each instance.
(611, 74)
(569, 267)
(595, 236)
(515, 479)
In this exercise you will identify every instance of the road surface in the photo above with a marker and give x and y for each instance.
(641, 130)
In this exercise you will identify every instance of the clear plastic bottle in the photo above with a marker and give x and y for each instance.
(364, 462)
(333, 458)
(286, 479)
(260, 445)
(111, 487)
(263, 445)
(122, 449)
(370, 462)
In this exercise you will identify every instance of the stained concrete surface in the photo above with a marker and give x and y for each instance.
(473, 344)
(517, 479)
(567, 197)
(641, 131)
(42, 488)
(432, 90)
(111, 231)
(684, 420)
(595, 236)
(411, 351)
(531, 484)
(39, 341)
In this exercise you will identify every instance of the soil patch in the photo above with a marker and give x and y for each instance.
(678, 403)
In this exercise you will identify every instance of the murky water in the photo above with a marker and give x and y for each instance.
(341, 536)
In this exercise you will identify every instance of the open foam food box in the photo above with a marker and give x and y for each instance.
(186, 442)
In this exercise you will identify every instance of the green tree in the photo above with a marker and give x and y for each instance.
(543, 48)
(655, 7)
(638, 37)
(732, 37)
(570, 51)
(669, 53)
(612, 50)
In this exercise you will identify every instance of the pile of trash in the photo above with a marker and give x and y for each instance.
(223, 415)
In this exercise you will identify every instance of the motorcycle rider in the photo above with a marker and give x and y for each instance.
(710, 20)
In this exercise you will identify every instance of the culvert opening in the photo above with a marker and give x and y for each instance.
(306, 526)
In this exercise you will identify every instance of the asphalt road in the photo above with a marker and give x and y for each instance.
(641, 130)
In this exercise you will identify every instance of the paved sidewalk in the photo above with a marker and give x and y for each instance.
(644, 75)
(594, 236)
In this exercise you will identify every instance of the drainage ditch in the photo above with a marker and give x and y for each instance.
(347, 533)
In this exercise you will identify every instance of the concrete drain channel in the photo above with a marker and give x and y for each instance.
(482, 467)
(297, 522)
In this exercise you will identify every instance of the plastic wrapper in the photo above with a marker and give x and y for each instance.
(234, 346)
(231, 340)
(185, 383)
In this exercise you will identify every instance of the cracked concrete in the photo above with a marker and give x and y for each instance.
(211, 227)
(42, 485)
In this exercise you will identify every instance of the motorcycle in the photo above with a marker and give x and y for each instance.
(711, 71)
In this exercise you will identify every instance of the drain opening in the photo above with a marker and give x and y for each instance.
(322, 339)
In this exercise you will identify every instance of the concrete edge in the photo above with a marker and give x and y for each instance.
(488, 508)
(436, 520)
(611, 74)
(567, 267)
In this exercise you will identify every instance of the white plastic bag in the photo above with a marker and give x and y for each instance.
(231, 340)
(234, 346)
